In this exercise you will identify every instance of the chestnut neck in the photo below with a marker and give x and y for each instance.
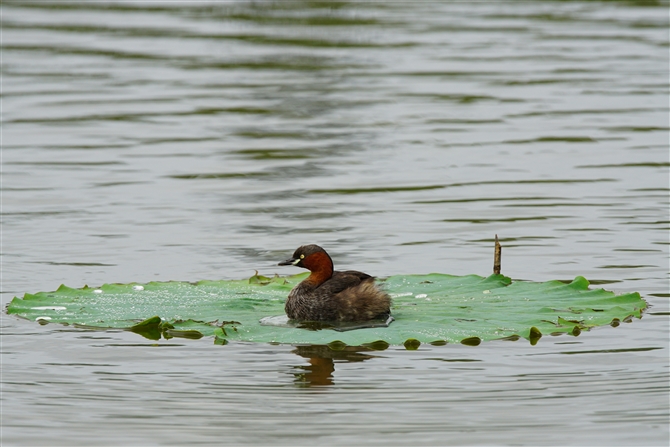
(321, 267)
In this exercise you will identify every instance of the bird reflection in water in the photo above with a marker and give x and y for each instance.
(322, 361)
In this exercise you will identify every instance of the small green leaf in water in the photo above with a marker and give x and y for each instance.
(378, 345)
(471, 341)
(534, 336)
(412, 344)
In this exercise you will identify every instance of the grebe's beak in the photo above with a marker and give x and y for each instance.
(292, 261)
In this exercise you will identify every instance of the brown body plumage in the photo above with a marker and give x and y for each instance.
(327, 295)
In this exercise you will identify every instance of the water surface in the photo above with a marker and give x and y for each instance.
(188, 141)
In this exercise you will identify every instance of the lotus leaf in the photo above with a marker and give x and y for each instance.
(434, 308)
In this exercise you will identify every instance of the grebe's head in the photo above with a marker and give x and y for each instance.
(311, 257)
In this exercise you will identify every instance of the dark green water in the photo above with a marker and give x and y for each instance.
(187, 141)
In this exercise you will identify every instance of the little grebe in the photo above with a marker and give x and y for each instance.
(326, 295)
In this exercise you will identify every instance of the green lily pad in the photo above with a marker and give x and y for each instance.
(434, 308)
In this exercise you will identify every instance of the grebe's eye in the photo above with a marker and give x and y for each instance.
(302, 256)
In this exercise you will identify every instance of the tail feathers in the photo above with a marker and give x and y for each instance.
(363, 302)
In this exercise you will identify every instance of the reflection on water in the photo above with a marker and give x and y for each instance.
(322, 362)
(188, 141)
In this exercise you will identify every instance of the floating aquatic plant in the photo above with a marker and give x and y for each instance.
(434, 308)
